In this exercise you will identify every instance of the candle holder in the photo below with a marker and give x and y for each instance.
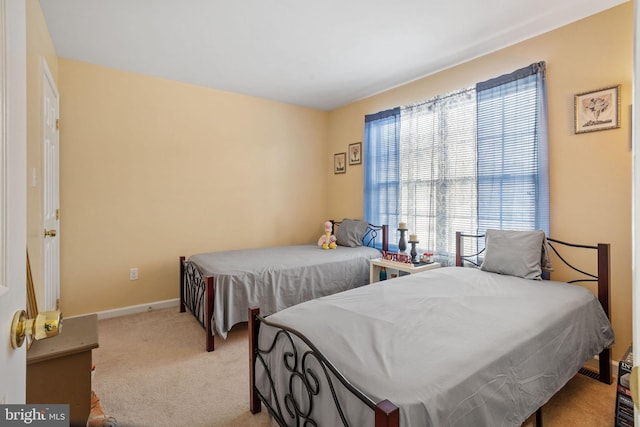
(414, 253)
(402, 244)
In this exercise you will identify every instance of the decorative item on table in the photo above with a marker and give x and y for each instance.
(402, 244)
(327, 240)
(413, 240)
(383, 274)
(427, 257)
(392, 256)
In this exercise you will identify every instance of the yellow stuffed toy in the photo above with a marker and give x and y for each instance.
(327, 240)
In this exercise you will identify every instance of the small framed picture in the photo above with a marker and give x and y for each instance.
(597, 110)
(340, 163)
(355, 153)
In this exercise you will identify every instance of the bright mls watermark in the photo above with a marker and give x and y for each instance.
(34, 415)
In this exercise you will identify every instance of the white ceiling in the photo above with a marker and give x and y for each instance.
(320, 54)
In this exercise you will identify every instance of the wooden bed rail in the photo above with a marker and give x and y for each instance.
(603, 279)
(386, 414)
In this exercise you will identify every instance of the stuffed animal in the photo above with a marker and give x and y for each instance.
(327, 240)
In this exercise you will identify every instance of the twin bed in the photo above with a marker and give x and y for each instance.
(219, 287)
(447, 347)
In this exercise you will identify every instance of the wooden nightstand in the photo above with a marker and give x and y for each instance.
(59, 368)
(375, 265)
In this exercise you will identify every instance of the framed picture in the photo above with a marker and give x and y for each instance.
(597, 109)
(355, 153)
(340, 163)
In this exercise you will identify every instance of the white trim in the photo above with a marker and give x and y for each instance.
(13, 39)
(135, 309)
(3, 145)
(47, 75)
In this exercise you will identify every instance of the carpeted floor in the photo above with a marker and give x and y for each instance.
(152, 370)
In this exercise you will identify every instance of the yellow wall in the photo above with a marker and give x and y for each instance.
(590, 173)
(39, 50)
(152, 169)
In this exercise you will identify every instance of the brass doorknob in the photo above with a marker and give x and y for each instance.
(45, 325)
(49, 233)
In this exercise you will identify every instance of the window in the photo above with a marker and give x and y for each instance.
(382, 169)
(513, 176)
(467, 161)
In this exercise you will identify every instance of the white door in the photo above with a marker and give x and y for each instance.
(51, 192)
(13, 193)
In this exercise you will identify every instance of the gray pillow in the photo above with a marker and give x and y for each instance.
(515, 253)
(350, 232)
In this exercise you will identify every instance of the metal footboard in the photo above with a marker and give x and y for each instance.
(196, 294)
(311, 377)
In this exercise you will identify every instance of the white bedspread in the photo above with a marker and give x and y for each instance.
(278, 277)
(451, 346)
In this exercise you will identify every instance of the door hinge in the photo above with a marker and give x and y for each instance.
(57, 214)
(57, 124)
(57, 303)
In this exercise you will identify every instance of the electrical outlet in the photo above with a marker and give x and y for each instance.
(133, 273)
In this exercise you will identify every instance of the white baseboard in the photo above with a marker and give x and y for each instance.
(141, 308)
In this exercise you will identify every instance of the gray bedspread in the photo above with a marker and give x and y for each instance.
(278, 277)
(451, 346)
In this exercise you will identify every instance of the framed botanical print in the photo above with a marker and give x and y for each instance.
(597, 110)
(355, 153)
(340, 163)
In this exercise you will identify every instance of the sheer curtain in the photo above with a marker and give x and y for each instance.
(438, 170)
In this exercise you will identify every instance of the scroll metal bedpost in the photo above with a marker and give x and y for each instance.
(604, 281)
(255, 405)
(182, 308)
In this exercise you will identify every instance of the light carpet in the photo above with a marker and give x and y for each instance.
(152, 370)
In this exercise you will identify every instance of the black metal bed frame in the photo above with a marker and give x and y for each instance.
(603, 280)
(296, 360)
(197, 290)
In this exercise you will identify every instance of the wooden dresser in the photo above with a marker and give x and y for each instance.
(59, 368)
